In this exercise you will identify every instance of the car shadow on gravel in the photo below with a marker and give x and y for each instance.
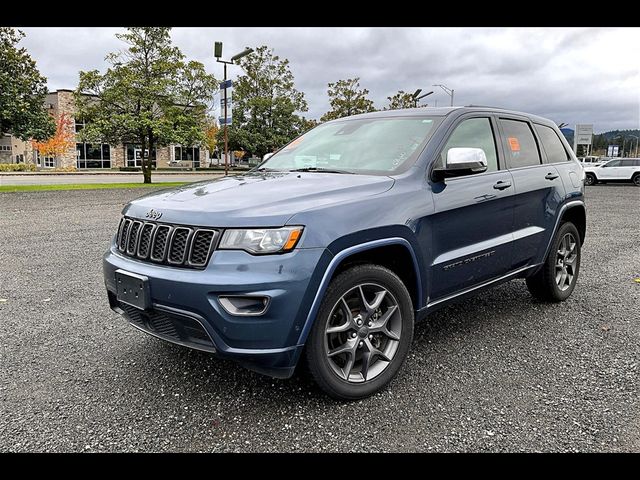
(207, 375)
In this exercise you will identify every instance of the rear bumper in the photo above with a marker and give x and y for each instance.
(185, 307)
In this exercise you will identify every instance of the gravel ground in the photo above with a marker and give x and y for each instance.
(500, 372)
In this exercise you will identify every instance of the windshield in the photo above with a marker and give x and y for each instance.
(378, 146)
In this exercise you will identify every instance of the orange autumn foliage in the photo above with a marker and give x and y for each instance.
(62, 140)
(211, 133)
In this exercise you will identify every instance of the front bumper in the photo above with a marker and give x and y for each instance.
(185, 301)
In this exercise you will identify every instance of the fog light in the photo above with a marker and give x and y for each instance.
(243, 305)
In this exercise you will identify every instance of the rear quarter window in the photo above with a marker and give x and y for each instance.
(552, 145)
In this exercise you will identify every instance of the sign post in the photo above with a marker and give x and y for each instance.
(225, 107)
(583, 136)
(226, 85)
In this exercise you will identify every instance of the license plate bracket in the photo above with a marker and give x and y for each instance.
(133, 289)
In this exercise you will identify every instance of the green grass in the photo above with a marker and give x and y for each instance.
(84, 186)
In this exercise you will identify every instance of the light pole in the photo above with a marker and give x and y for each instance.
(448, 91)
(416, 97)
(217, 52)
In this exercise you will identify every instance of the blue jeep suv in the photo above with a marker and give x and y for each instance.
(332, 249)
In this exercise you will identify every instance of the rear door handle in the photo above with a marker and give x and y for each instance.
(501, 185)
(551, 176)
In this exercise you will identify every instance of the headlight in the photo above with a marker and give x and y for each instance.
(261, 240)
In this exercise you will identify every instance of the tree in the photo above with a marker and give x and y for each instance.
(22, 91)
(211, 132)
(401, 100)
(265, 104)
(346, 98)
(62, 140)
(149, 95)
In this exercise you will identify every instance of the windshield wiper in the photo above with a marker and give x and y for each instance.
(319, 169)
(266, 169)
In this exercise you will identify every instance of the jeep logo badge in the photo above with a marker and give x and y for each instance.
(154, 215)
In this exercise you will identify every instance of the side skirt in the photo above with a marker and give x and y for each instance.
(472, 291)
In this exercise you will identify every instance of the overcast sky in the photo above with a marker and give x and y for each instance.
(572, 75)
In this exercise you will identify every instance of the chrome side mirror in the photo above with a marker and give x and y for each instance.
(471, 160)
(462, 161)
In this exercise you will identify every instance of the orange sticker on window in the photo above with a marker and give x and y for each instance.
(514, 144)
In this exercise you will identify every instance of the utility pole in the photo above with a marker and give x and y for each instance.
(217, 52)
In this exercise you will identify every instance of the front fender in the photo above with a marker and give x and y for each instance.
(344, 253)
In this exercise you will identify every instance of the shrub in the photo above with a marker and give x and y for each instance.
(17, 167)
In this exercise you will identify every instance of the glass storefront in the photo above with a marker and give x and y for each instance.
(93, 155)
(186, 154)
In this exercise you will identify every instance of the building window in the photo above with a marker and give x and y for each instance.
(93, 155)
(46, 161)
(20, 158)
(79, 124)
(186, 154)
(5, 148)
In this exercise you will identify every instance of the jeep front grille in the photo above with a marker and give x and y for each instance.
(176, 245)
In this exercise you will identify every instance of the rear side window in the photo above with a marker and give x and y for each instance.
(519, 144)
(628, 163)
(552, 145)
(473, 133)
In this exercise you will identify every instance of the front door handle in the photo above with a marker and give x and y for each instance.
(501, 185)
(551, 176)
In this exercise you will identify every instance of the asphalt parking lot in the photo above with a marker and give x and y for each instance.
(500, 372)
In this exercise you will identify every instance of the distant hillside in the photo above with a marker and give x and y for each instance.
(613, 137)
(568, 134)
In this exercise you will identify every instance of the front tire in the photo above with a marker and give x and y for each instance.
(362, 333)
(590, 179)
(636, 179)
(557, 278)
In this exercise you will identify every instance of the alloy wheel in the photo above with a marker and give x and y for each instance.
(362, 333)
(566, 260)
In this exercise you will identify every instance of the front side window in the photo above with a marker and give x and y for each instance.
(552, 145)
(612, 163)
(377, 146)
(519, 144)
(473, 133)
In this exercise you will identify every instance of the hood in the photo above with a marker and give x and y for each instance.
(255, 199)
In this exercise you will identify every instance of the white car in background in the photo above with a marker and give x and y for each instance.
(591, 160)
(616, 170)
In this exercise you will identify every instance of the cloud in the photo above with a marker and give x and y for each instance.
(573, 75)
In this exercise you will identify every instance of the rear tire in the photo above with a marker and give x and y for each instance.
(590, 179)
(636, 179)
(362, 333)
(557, 278)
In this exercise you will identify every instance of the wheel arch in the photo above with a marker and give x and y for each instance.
(395, 253)
(577, 215)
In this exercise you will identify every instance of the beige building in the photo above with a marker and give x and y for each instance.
(95, 155)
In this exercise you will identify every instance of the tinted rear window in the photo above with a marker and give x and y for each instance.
(553, 145)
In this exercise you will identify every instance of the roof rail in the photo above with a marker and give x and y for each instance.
(485, 106)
